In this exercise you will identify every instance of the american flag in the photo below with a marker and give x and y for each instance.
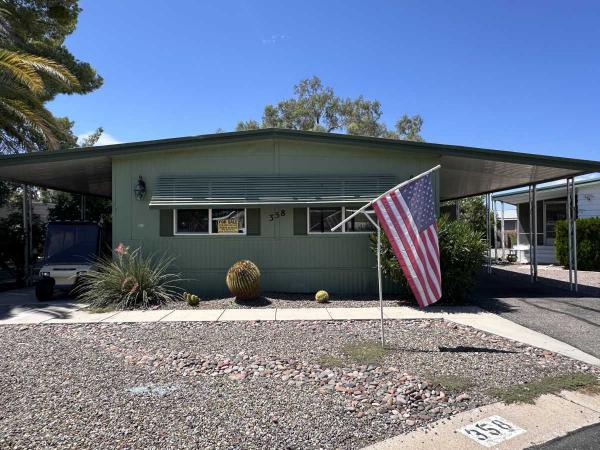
(407, 216)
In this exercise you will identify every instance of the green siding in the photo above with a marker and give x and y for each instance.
(339, 263)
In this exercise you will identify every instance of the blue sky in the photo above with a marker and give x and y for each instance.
(514, 75)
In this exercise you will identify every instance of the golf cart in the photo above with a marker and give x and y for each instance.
(69, 251)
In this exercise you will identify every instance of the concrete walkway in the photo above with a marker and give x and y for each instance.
(550, 417)
(70, 312)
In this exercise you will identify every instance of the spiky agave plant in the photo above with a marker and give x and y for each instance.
(129, 280)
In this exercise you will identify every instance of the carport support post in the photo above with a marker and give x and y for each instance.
(487, 234)
(530, 234)
(569, 240)
(82, 208)
(535, 232)
(25, 237)
(495, 238)
(574, 229)
(502, 230)
(379, 281)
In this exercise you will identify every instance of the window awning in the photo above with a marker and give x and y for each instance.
(191, 191)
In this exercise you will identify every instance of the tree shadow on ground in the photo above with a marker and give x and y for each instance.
(504, 283)
(8, 312)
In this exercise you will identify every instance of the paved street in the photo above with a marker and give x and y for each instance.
(552, 310)
(586, 438)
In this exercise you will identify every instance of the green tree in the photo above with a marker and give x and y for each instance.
(315, 107)
(472, 211)
(28, 78)
(35, 67)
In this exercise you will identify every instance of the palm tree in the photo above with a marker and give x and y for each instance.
(25, 123)
(24, 120)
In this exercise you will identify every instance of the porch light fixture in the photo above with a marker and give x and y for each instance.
(140, 189)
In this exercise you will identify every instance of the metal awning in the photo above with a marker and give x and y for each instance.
(466, 171)
(554, 191)
(171, 191)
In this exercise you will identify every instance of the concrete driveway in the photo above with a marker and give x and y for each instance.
(22, 303)
(547, 308)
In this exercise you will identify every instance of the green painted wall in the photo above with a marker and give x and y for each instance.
(341, 264)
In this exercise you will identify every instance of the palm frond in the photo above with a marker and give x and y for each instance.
(14, 65)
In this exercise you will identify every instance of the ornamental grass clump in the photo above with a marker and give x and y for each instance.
(128, 280)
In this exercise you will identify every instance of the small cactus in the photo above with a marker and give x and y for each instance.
(322, 297)
(243, 280)
(193, 300)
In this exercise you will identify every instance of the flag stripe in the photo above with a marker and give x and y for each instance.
(432, 256)
(408, 244)
(407, 216)
(409, 241)
(416, 237)
(399, 250)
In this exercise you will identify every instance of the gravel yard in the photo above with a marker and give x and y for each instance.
(289, 301)
(246, 384)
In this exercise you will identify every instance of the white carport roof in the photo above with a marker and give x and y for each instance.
(553, 191)
(466, 171)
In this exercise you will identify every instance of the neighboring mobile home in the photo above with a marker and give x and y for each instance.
(551, 207)
(271, 196)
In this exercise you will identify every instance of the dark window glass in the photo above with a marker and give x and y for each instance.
(192, 221)
(555, 211)
(228, 221)
(71, 243)
(359, 223)
(322, 220)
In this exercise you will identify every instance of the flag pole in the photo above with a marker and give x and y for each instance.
(398, 186)
(379, 282)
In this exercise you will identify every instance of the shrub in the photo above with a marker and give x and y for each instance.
(588, 243)
(129, 280)
(243, 280)
(461, 258)
(322, 297)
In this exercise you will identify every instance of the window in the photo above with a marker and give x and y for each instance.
(228, 221)
(210, 221)
(322, 220)
(191, 221)
(360, 223)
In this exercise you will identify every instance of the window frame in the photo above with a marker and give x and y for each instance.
(342, 229)
(210, 224)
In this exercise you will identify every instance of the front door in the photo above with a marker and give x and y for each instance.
(553, 212)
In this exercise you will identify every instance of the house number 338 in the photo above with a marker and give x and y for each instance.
(276, 215)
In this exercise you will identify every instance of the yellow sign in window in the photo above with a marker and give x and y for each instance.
(228, 226)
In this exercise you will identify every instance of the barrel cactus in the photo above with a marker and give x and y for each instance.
(322, 297)
(191, 299)
(243, 280)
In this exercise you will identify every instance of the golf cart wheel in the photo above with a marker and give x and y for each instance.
(44, 289)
